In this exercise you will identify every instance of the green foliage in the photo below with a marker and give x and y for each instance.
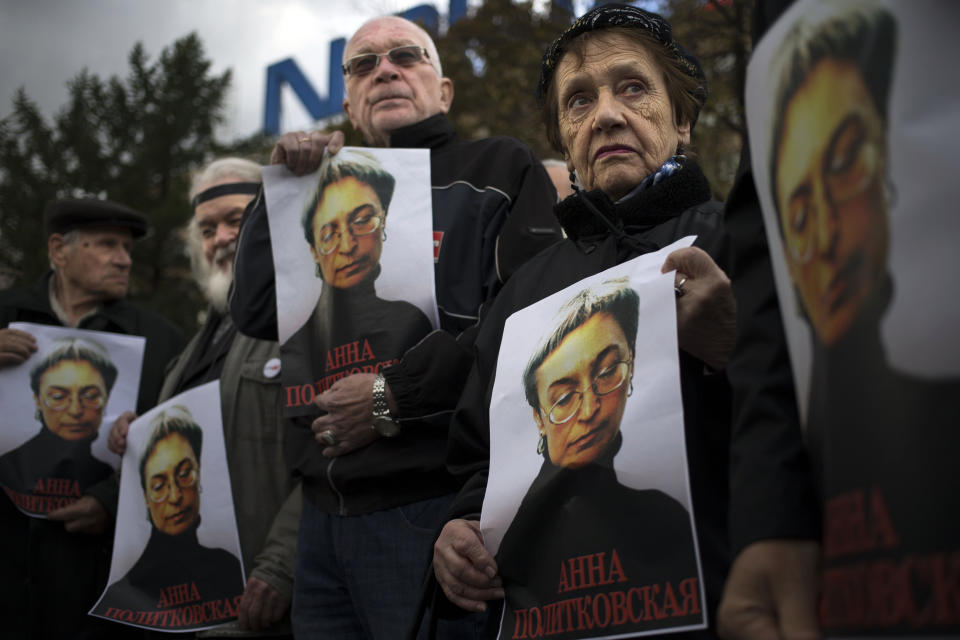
(718, 33)
(133, 140)
(493, 58)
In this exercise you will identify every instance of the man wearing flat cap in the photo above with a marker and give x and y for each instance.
(54, 572)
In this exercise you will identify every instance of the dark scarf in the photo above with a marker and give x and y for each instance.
(590, 214)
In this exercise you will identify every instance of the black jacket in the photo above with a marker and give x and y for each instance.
(772, 493)
(368, 333)
(677, 206)
(492, 204)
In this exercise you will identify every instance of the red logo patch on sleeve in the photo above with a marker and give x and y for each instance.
(437, 241)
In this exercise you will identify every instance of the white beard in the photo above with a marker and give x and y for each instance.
(213, 281)
(216, 288)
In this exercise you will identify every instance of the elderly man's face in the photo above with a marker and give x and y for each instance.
(95, 264)
(172, 474)
(582, 389)
(347, 232)
(392, 96)
(71, 399)
(833, 214)
(219, 222)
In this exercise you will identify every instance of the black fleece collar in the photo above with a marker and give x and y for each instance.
(665, 200)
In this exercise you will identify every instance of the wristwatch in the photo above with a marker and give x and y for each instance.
(383, 422)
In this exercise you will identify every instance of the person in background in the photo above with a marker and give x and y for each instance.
(266, 499)
(619, 97)
(877, 460)
(55, 569)
(559, 176)
(387, 489)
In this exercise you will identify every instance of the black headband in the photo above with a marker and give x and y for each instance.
(230, 188)
(621, 15)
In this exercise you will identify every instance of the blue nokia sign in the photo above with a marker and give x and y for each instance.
(286, 72)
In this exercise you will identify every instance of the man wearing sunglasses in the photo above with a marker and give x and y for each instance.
(492, 209)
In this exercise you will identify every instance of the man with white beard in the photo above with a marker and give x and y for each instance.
(266, 499)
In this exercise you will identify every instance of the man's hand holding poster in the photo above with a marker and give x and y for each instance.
(176, 557)
(353, 251)
(54, 406)
(852, 159)
(588, 509)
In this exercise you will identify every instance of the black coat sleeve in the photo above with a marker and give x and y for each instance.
(253, 296)
(531, 225)
(771, 487)
(431, 376)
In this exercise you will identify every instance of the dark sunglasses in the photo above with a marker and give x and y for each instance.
(405, 56)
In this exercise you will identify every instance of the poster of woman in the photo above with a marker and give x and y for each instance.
(176, 561)
(53, 407)
(353, 251)
(851, 159)
(588, 509)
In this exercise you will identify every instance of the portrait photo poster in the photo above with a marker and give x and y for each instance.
(54, 443)
(353, 256)
(176, 563)
(594, 544)
(918, 209)
(853, 137)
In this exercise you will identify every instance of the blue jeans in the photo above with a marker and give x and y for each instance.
(360, 576)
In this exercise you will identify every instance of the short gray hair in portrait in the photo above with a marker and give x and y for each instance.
(175, 419)
(433, 56)
(863, 36)
(231, 167)
(615, 297)
(83, 349)
(348, 163)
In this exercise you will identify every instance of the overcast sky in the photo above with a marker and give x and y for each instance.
(44, 43)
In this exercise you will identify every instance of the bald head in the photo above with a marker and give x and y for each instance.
(423, 38)
(394, 94)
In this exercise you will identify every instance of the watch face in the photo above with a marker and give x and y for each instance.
(386, 427)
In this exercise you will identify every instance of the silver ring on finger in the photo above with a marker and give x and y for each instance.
(329, 438)
(678, 288)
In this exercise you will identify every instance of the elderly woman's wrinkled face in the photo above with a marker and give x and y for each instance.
(347, 239)
(616, 120)
(582, 390)
(172, 474)
(830, 172)
(72, 398)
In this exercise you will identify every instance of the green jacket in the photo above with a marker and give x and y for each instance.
(266, 499)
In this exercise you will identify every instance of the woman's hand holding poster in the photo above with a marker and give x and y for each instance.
(587, 509)
(176, 557)
(353, 252)
(56, 411)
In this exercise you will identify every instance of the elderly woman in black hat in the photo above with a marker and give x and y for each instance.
(620, 98)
